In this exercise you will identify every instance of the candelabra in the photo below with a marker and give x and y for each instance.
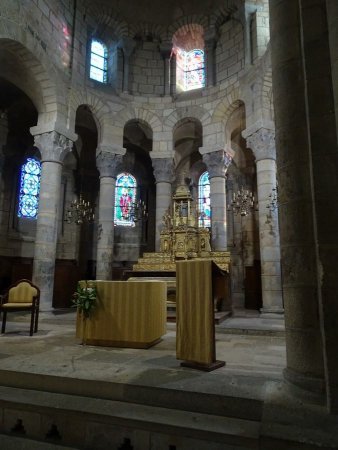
(80, 212)
(242, 203)
(273, 200)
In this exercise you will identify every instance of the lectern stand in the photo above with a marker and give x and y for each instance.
(195, 327)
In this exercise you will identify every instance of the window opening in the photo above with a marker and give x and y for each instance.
(204, 207)
(98, 61)
(125, 197)
(190, 70)
(29, 189)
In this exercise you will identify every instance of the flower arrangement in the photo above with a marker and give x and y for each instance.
(84, 299)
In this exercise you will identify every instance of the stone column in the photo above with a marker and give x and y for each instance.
(128, 45)
(210, 45)
(107, 164)
(173, 74)
(217, 163)
(163, 172)
(262, 143)
(3, 139)
(303, 171)
(53, 148)
(166, 54)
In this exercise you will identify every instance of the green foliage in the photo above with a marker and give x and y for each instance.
(85, 298)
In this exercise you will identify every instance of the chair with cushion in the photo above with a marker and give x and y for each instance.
(21, 296)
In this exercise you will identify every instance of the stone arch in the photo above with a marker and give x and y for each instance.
(138, 113)
(99, 109)
(216, 136)
(193, 112)
(226, 106)
(145, 29)
(233, 117)
(37, 77)
(24, 70)
(186, 22)
(106, 18)
(221, 14)
(143, 126)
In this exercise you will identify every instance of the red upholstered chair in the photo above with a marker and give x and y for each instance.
(21, 296)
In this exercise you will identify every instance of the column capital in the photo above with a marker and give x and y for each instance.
(262, 143)
(53, 146)
(166, 49)
(128, 45)
(110, 148)
(163, 169)
(108, 163)
(217, 163)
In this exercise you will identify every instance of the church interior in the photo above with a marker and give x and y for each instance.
(165, 153)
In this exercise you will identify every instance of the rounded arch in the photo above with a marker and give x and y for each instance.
(36, 62)
(138, 132)
(235, 120)
(147, 30)
(227, 105)
(192, 112)
(138, 113)
(187, 23)
(22, 68)
(221, 14)
(98, 108)
(106, 17)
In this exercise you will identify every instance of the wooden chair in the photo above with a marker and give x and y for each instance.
(21, 296)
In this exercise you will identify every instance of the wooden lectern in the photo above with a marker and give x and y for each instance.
(195, 328)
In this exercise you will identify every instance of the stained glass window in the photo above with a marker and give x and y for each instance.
(125, 195)
(98, 61)
(204, 217)
(29, 189)
(190, 72)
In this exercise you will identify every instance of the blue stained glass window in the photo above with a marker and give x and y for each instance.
(190, 70)
(125, 195)
(98, 61)
(204, 208)
(29, 189)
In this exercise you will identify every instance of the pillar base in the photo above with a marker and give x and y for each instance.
(272, 313)
(310, 384)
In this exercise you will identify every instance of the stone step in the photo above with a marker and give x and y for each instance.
(75, 418)
(232, 398)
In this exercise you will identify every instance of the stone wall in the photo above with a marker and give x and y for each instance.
(147, 74)
(229, 51)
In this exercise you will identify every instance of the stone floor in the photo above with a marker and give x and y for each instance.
(146, 396)
(250, 346)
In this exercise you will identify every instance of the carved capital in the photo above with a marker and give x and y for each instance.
(108, 163)
(262, 143)
(128, 45)
(166, 49)
(163, 169)
(53, 146)
(217, 163)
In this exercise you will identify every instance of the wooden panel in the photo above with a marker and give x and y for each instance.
(195, 340)
(129, 314)
(65, 281)
(253, 286)
(22, 268)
